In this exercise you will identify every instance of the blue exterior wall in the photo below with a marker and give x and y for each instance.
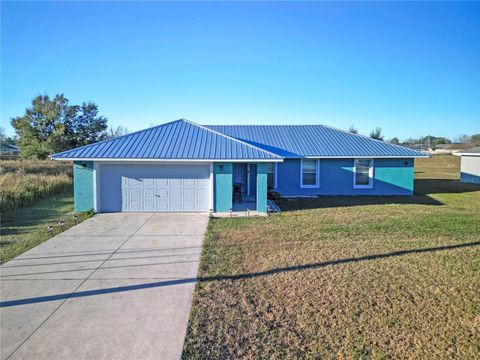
(262, 187)
(469, 178)
(222, 187)
(391, 177)
(83, 190)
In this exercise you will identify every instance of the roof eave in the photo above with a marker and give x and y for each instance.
(366, 157)
(165, 160)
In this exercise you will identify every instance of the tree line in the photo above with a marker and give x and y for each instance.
(428, 141)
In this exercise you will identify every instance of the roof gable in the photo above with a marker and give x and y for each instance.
(180, 139)
(297, 141)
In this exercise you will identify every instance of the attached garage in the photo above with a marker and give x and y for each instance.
(174, 167)
(153, 187)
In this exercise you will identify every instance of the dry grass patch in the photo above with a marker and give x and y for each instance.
(388, 279)
(24, 182)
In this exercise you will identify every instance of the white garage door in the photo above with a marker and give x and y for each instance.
(138, 187)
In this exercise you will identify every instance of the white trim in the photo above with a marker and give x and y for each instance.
(170, 160)
(96, 187)
(211, 201)
(370, 174)
(317, 176)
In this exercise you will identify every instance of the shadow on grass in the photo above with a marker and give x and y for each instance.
(269, 272)
(423, 188)
(443, 186)
(20, 221)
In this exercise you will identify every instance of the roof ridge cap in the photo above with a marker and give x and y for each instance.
(231, 138)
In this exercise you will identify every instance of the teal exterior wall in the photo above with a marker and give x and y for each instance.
(222, 187)
(391, 177)
(83, 189)
(394, 174)
(262, 187)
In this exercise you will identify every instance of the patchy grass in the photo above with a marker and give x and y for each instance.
(350, 278)
(24, 182)
(26, 228)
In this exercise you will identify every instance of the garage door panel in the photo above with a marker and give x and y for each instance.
(134, 206)
(190, 182)
(162, 194)
(202, 194)
(136, 187)
(134, 194)
(149, 194)
(176, 206)
(149, 206)
(176, 182)
(176, 194)
(189, 194)
(161, 182)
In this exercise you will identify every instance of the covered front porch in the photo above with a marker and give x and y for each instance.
(240, 187)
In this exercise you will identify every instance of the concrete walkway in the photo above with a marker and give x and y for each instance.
(117, 286)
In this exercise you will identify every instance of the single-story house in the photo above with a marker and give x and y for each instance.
(450, 148)
(9, 149)
(470, 165)
(184, 166)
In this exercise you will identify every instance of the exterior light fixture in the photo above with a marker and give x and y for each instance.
(75, 217)
(50, 230)
(231, 214)
(61, 223)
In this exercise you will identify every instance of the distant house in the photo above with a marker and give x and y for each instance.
(470, 165)
(8, 149)
(450, 148)
(184, 166)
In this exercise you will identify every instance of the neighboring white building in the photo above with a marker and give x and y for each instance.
(470, 165)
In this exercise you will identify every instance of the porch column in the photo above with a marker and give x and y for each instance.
(222, 187)
(262, 187)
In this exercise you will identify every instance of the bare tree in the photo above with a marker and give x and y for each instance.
(116, 132)
(377, 134)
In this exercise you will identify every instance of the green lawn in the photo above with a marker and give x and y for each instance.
(26, 228)
(353, 278)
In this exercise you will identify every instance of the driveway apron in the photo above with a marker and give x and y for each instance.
(117, 286)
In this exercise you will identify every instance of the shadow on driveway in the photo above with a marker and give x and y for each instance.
(317, 265)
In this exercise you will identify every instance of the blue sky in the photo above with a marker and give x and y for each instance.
(411, 68)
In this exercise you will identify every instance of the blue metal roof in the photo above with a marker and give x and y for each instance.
(179, 139)
(295, 141)
(185, 140)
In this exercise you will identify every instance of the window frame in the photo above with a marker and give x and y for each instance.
(370, 174)
(317, 174)
(275, 172)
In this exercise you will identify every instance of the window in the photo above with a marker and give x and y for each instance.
(363, 174)
(309, 173)
(272, 175)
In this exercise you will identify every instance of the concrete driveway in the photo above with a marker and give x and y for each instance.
(117, 286)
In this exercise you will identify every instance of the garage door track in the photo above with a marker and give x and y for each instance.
(117, 286)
